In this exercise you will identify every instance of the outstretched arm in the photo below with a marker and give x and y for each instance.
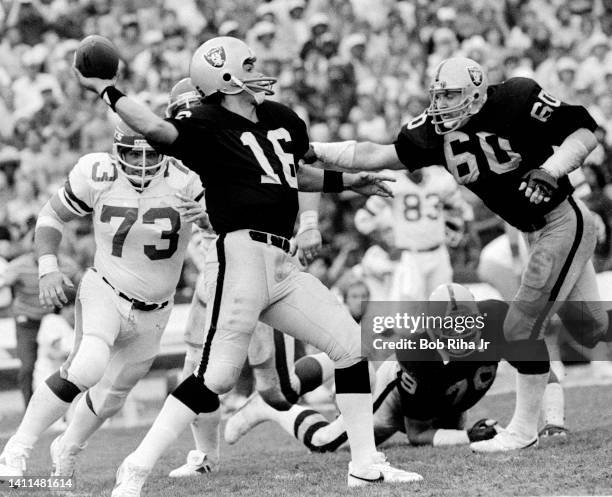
(136, 116)
(316, 180)
(352, 156)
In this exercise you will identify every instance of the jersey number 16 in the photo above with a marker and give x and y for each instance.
(275, 136)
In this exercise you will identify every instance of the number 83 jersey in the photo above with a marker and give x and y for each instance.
(140, 238)
(514, 132)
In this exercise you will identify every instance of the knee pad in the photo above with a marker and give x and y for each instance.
(196, 395)
(354, 379)
(528, 356)
(63, 388)
(89, 362)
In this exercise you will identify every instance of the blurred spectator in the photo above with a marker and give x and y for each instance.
(21, 275)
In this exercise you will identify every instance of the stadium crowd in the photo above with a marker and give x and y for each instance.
(353, 69)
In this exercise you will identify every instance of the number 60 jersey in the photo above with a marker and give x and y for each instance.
(514, 132)
(140, 238)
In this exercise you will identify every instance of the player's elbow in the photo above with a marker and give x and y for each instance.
(160, 131)
(375, 157)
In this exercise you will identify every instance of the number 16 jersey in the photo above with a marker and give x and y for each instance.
(140, 237)
(514, 132)
(248, 168)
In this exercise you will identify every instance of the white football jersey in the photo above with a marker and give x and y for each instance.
(418, 220)
(140, 237)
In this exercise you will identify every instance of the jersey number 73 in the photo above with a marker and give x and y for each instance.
(130, 216)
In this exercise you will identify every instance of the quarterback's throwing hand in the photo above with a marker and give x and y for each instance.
(539, 185)
(369, 184)
(51, 289)
(92, 84)
(193, 212)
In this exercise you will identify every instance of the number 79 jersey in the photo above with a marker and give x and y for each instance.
(514, 132)
(140, 238)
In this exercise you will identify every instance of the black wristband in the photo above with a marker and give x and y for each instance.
(110, 95)
(333, 182)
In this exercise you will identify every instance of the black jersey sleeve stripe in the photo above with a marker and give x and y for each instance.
(70, 195)
(199, 196)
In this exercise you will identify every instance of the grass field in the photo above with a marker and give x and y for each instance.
(267, 462)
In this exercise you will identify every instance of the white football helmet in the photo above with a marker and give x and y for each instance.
(140, 167)
(461, 75)
(454, 300)
(218, 66)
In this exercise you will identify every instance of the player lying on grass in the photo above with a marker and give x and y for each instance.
(498, 141)
(425, 394)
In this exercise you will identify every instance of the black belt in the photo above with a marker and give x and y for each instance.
(139, 305)
(270, 239)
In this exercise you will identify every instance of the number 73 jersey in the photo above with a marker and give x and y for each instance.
(140, 238)
(514, 132)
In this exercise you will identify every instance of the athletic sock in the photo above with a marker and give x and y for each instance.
(529, 394)
(44, 409)
(167, 427)
(83, 424)
(205, 430)
(553, 405)
(354, 400)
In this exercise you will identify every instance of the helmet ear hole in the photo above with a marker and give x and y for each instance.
(227, 76)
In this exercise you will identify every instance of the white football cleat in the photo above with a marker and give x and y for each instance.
(13, 459)
(504, 441)
(63, 458)
(245, 419)
(378, 471)
(197, 464)
(129, 480)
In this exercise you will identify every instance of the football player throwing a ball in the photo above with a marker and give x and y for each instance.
(247, 151)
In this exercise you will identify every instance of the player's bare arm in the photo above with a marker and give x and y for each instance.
(47, 238)
(364, 183)
(352, 156)
(136, 116)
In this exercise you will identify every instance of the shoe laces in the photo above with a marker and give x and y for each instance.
(16, 455)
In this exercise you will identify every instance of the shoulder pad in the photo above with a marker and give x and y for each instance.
(282, 112)
(420, 131)
(98, 169)
(517, 89)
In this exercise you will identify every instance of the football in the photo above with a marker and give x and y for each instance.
(97, 57)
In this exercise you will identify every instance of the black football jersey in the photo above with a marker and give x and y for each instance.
(249, 169)
(514, 132)
(430, 389)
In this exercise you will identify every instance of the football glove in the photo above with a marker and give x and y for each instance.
(538, 183)
(483, 429)
(454, 231)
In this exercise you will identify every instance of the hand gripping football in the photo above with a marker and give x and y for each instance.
(97, 57)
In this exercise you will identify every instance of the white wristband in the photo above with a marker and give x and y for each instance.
(47, 264)
(309, 220)
(339, 154)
